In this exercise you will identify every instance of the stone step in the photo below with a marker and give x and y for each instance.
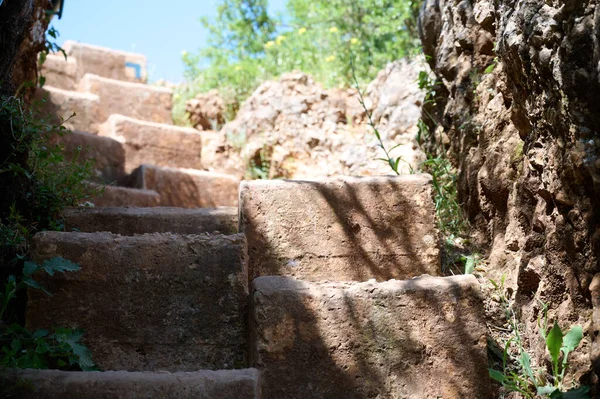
(131, 221)
(136, 100)
(420, 338)
(148, 302)
(187, 188)
(62, 104)
(344, 229)
(60, 72)
(154, 143)
(54, 384)
(108, 155)
(107, 62)
(125, 196)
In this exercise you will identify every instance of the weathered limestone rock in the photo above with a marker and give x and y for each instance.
(346, 229)
(131, 221)
(525, 137)
(154, 143)
(136, 100)
(148, 302)
(222, 384)
(188, 188)
(420, 338)
(206, 111)
(60, 72)
(62, 104)
(125, 196)
(107, 63)
(108, 155)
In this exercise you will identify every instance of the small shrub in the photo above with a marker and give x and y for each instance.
(517, 373)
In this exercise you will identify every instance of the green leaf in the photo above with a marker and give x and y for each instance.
(497, 375)
(546, 390)
(72, 338)
(572, 339)
(490, 68)
(470, 265)
(525, 361)
(34, 284)
(583, 392)
(554, 342)
(60, 265)
(39, 334)
(29, 268)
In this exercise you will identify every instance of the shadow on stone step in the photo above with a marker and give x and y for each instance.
(346, 229)
(421, 338)
(107, 155)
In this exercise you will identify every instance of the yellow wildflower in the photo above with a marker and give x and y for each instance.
(301, 31)
(280, 39)
(333, 29)
(269, 44)
(354, 40)
(330, 58)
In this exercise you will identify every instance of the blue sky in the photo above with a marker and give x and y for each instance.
(159, 29)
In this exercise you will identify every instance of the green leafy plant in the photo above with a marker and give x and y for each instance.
(21, 348)
(517, 373)
(393, 162)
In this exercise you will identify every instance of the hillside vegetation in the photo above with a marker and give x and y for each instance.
(325, 39)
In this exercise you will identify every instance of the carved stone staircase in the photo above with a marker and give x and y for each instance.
(284, 289)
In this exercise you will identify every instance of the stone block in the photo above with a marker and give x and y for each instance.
(136, 100)
(107, 155)
(131, 221)
(154, 143)
(148, 302)
(108, 63)
(54, 384)
(188, 188)
(60, 105)
(125, 196)
(420, 338)
(344, 229)
(60, 72)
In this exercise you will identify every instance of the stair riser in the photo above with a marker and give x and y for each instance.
(187, 188)
(149, 302)
(107, 63)
(347, 229)
(108, 155)
(135, 100)
(152, 143)
(422, 338)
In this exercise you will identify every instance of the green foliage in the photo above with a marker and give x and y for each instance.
(449, 214)
(247, 46)
(21, 348)
(393, 162)
(517, 373)
(40, 182)
(52, 183)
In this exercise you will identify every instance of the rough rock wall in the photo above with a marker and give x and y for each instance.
(23, 26)
(526, 140)
(306, 130)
